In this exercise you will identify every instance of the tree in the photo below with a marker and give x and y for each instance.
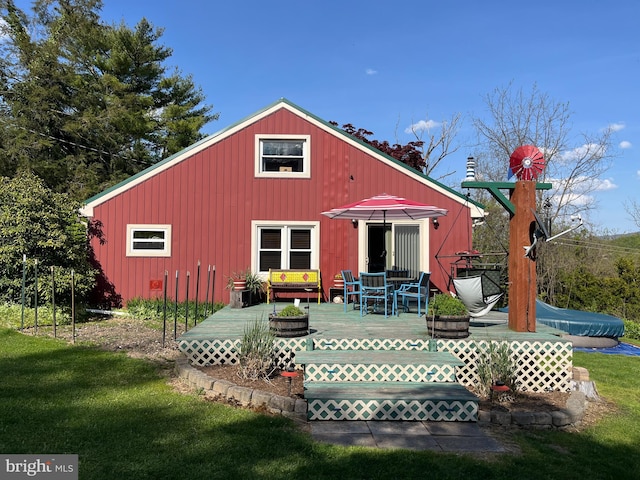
(573, 166)
(632, 207)
(418, 154)
(45, 226)
(85, 104)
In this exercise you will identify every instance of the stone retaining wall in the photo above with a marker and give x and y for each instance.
(245, 396)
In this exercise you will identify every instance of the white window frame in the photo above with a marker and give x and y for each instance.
(141, 252)
(257, 225)
(306, 151)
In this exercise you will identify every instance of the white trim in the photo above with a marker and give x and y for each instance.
(315, 240)
(306, 153)
(165, 252)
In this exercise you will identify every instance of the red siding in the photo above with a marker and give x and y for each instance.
(211, 198)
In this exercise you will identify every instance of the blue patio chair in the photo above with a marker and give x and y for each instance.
(351, 288)
(374, 287)
(419, 291)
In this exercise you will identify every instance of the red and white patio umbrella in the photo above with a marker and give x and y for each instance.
(383, 207)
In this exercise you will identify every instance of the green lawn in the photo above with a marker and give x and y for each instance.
(125, 422)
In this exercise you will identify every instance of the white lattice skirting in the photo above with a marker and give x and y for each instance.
(420, 410)
(541, 365)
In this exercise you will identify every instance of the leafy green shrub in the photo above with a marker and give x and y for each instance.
(291, 311)
(495, 366)
(44, 226)
(256, 355)
(632, 329)
(11, 316)
(445, 304)
(153, 309)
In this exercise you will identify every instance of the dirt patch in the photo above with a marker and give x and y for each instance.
(121, 334)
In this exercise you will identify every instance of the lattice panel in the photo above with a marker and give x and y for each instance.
(371, 344)
(210, 352)
(225, 352)
(454, 410)
(542, 366)
(337, 372)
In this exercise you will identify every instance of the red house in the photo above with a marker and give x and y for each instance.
(251, 196)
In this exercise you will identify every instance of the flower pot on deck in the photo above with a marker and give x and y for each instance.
(448, 326)
(289, 327)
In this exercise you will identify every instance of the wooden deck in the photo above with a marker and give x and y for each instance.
(544, 358)
(329, 321)
(374, 367)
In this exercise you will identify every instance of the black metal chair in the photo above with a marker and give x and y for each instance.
(419, 291)
(351, 288)
(374, 287)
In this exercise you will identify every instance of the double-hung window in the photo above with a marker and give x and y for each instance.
(148, 240)
(292, 245)
(282, 156)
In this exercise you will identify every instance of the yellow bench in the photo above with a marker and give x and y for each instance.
(293, 280)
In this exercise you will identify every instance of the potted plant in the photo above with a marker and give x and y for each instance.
(338, 281)
(291, 321)
(237, 281)
(447, 317)
(255, 285)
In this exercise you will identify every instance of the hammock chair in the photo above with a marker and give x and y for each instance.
(470, 291)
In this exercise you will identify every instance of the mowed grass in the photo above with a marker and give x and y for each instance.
(124, 421)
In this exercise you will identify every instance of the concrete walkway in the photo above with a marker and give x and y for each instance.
(455, 437)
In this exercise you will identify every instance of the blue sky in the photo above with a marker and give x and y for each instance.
(384, 65)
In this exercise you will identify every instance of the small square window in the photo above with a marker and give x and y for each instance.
(148, 240)
(282, 156)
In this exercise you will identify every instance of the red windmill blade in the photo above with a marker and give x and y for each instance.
(526, 162)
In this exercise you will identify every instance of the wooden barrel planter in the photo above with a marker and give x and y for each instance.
(448, 326)
(289, 327)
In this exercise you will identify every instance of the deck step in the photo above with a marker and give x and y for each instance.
(390, 401)
(378, 365)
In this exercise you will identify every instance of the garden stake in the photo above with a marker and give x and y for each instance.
(36, 298)
(53, 300)
(164, 308)
(195, 320)
(175, 311)
(186, 308)
(206, 293)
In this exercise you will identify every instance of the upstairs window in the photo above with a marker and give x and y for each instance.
(282, 156)
(148, 240)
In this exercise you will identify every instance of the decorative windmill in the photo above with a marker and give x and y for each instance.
(526, 163)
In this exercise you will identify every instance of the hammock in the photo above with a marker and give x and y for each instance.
(470, 292)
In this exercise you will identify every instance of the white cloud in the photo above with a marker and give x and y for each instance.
(421, 126)
(370, 71)
(586, 150)
(607, 184)
(625, 144)
(616, 127)
(638, 173)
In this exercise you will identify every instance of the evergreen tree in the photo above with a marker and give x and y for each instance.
(85, 104)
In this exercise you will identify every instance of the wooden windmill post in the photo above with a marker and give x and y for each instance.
(526, 163)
